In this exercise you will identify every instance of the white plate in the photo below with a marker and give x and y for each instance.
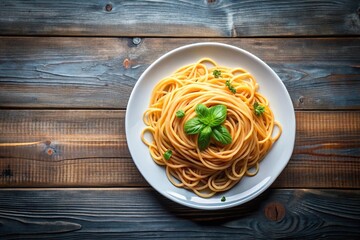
(270, 85)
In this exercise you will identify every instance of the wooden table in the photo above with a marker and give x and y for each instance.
(67, 69)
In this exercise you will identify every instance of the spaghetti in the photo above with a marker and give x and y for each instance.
(218, 167)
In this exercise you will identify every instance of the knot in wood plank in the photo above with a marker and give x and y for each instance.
(275, 211)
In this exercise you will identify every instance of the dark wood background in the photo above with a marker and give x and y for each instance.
(67, 69)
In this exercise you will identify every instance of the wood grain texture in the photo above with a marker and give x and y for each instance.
(217, 18)
(67, 69)
(319, 73)
(48, 148)
(141, 214)
(66, 148)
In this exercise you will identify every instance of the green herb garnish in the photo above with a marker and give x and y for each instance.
(217, 73)
(223, 199)
(180, 113)
(193, 126)
(230, 87)
(168, 154)
(207, 124)
(204, 137)
(259, 109)
(221, 134)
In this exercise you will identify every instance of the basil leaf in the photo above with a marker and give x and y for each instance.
(193, 126)
(204, 137)
(221, 134)
(202, 111)
(217, 115)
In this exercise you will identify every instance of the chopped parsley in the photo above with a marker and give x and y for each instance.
(259, 109)
(180, 113)
(168, 154)
(230, 87)
(217, 73)
(223, 199)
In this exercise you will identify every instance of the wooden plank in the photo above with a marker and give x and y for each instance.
(326, 153)
(101, 72)
(65, 148)
(47, 148)
(143, 214)
(227, 18)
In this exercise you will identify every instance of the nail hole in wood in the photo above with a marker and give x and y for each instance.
(136, 40)
(50, 151)
(108, 7)
(301, 99)
(126, 63)
(6, 172)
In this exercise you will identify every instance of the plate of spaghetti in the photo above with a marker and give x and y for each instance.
(210, 125)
